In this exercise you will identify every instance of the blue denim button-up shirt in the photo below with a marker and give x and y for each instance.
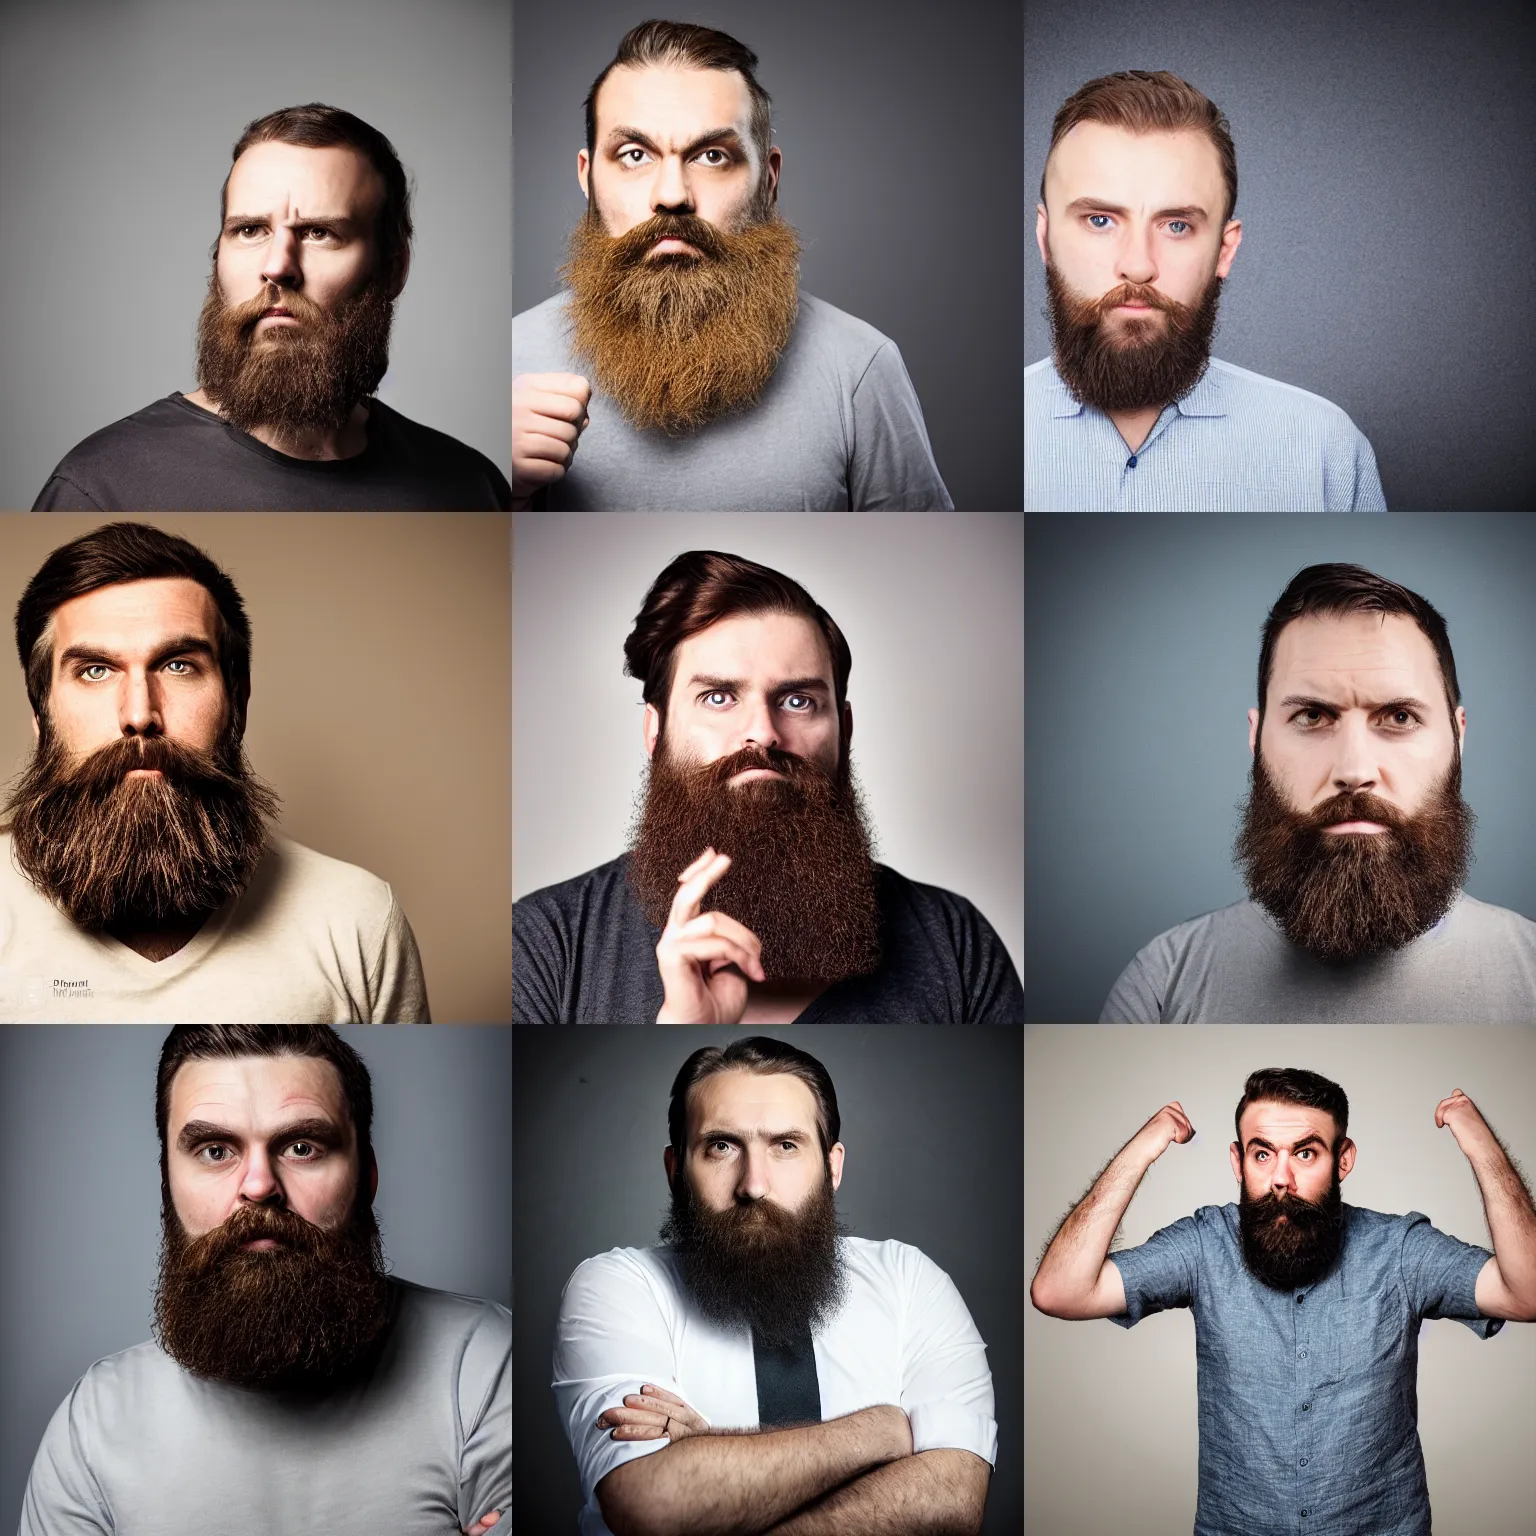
(1309, 1398)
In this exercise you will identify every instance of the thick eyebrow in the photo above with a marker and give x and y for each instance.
(1296, 1146)
(195, 1132)
(625, 135)
(181, 645)
(1304, 701)
(336, 221)
(736, 684)
(1097, 205)
(738, 1139)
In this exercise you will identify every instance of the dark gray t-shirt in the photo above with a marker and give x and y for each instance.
(1308, 1398)
(174, 456)
(1477, 965)
(583, 953)
(837, 427)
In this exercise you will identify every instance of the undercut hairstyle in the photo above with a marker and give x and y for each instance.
(107, 557)
(766, 1056)
(317, 126)
(702, 587)
(229, 1042)
(1331, 591)
(1149, 101)
(1294, 1085)
(681, 44)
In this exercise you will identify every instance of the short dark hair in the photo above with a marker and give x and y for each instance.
(683, 43)
(317, 126)
(766, 1056)
(227, 1042)
(106, 557)
(1294, 1085)
(1334, 590)
(700, 588)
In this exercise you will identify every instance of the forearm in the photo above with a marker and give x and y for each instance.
(1511, 1219)
(935, 1493)
(744, 1484)
(1070, 1268)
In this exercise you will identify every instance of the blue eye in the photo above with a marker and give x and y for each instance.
(1093, 216)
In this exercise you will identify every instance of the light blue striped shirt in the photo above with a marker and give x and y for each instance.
(1237, 442)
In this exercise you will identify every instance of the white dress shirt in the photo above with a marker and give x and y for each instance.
(902, 1336)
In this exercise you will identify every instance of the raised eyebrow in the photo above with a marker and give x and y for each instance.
(736, 684)
(1295, 1146)
(195, 1132)
(623, 135)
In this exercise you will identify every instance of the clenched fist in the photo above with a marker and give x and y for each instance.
(549, 414)
(1170, 1124)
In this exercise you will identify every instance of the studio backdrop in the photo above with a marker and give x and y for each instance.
(380, 706)
(1143, 649)
(898, 126)
(932, 608)
(931, 1124)
(1098, 1396)
(117, 118)
(1377, 147)
(82, 1225)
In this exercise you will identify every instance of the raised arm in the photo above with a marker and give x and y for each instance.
(1075, 1279)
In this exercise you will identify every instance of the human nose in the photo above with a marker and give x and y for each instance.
(1136, 261)
(139, 706)
(670, 192)
(1283, 1176)
(1354, 765)
(757, 724)
(259, 1182)
(280, 263)
(753, 1184)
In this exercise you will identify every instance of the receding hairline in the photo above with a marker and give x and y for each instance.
(1143, 133)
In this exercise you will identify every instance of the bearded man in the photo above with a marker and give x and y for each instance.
(138, 876)
(294, 1384)
(1131, 413)
(754, 1313)
(683, 356)
(1307, 1311)
(1355, 841)
(313, 251)
(751, 802)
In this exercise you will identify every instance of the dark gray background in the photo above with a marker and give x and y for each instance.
(933, 1124)
(898, 121)
(80, 1202)
(1384, 157)
(116, 122)
(1141, 660)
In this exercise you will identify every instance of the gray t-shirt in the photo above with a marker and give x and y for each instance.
(1477, 965)
(837, 427)
(423, 1447)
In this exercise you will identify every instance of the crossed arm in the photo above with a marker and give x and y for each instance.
(852, 1476)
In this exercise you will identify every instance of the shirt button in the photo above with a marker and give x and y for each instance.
(1305, 1407)
(1300, 1299)
(1301, 1354)
(1131, 464)
(1303, 1514)
(1303, 1461)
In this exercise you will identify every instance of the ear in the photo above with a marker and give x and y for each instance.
(373, 1175)
(775, 167)
(1231, 238)
(1042, 229)
(847, 723)
(1235, 1153)
(1346, 1158)
(1253, 730)
(1461, 726)
(651, 729)
(243, 705)
(37, 727)
(583, 173)
(669, 1162)
(835, 1163)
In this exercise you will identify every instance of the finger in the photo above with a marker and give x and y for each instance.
(650, 1389)
(725, 926)
(565, 409)
(540, 445)
(551, 424)
(638, 1432)
(697, 864)
(685, 905)
(717, 953)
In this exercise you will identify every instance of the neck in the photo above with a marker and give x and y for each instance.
(343, 442)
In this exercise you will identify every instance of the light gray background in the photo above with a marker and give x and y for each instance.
(80, 1206)
(117, 118)
(931, 1123)
(1099, 1397)
(932, 606)
(898, 122)
(1378, 153)
(1143, 645)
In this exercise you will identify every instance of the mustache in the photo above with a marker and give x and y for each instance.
(631, 248)
(102, 772)
(244, 316)
(1130, 293)
(248, 1224)
(790, 764)
(1352, 805)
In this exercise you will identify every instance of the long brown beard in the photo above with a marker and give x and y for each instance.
(678, 341)
(758, 1265)
(802, 876)
(301, 1316)
(118, 852)
(292, 378)
(1155, 361)
(1298, 1251)
(1343, 896)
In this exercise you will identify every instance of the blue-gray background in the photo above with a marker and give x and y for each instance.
(1141, 659)
(933, 1125)
(1384, 157)
(898, 120)
(80, 1202)
(117, 118)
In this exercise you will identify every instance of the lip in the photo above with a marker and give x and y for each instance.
(672, 243)
(1357, 828)
(134, 773)
(262, 1243)
(1137, 309)
(278, 315)
(756, 773)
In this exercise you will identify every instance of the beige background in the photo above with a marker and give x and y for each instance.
(380, 706)
(1110, 1431)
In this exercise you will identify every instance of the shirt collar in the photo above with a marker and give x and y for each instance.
(1205, 399)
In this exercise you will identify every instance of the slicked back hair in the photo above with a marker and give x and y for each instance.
(1294, 1085)
(766, 1056)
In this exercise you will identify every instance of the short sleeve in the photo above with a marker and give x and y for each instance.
(611, 1339)
(892, 466)
(536, 963)
(1160, 1273)
(62, 1497)
(1137, 997)
(397, 986)
(946, 1387)
(1440, 1276)
(485, 1418)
